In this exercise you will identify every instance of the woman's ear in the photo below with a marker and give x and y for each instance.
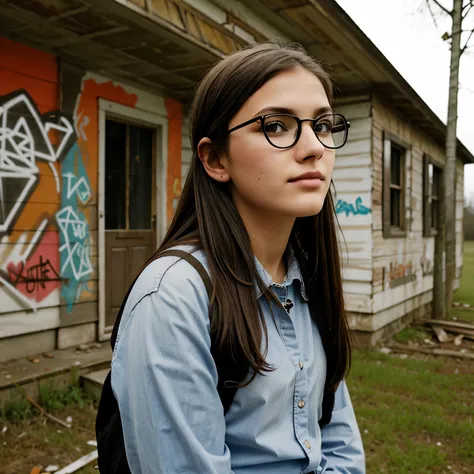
(215, 163)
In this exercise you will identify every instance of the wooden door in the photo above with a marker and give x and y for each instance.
(129, 210)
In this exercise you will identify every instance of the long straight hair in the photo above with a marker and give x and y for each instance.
(207, 217)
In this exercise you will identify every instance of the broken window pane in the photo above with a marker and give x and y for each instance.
(140, 184)
(115, 174)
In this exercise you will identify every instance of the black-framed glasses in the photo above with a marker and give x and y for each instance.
(284, 130)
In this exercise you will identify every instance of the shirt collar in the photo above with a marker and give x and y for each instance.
(294, 273)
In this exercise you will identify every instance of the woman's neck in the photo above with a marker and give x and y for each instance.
(269, 238)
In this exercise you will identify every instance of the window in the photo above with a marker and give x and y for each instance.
(394, 180)
(432, 175)
(128, 174)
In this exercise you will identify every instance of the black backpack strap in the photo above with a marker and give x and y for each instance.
(226, 394)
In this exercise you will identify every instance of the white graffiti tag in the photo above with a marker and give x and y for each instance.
(75, 244)
(24, 139)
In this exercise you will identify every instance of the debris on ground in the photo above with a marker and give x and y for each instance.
(448, 338)
(441, 334)
(453, 327)
(462, 354)
(40, 408)
(52, 468)
(80, 463)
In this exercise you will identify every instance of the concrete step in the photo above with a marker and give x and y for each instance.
(94, 381)
(57, 369)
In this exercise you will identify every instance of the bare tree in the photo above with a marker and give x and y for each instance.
(446, 239)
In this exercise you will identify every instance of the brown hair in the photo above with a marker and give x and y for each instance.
(206, 216)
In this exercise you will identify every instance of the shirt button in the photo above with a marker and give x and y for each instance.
(306, 443)
(301, 403)
(301, 365)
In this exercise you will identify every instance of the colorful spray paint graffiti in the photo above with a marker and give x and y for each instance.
(32, 269)
(75, 242)
(355, 209)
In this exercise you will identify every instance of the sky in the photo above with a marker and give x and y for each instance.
(404, 31)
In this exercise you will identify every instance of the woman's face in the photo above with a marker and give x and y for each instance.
(265, 178)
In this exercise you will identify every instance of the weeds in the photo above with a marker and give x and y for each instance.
(49, 397)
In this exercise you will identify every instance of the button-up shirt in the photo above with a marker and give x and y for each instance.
(165, 381)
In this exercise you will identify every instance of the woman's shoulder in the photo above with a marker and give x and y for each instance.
(170, 275)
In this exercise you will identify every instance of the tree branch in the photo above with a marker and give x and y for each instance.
(432, 14)
(442, 8)
(467, 42)
(468, 9)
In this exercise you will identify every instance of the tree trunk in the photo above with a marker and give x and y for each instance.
(439, 293)
(449, 218)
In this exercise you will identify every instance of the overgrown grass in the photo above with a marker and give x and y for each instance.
(49, 398)
(410, 334)
(31, 440)
(415, 415)
(465, 293)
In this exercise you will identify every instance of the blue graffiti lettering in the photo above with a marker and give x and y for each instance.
(359, 208)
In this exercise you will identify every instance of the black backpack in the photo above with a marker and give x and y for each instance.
(109, 432)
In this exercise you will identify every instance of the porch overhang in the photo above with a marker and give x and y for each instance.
(164, 45)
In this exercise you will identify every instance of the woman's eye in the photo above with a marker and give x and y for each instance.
(275, 127)
(323, 127)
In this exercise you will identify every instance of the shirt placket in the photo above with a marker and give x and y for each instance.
(300, 397)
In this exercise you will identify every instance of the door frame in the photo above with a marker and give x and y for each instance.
(132, 116)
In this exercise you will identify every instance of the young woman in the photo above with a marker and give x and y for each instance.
(257, 212)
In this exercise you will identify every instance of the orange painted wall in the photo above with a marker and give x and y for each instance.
(175, 148)
(60, 212)
(22, 67)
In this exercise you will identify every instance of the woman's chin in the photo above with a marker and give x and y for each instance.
(309, 208)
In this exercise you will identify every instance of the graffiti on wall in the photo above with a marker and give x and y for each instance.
(26, 138)
(75, 243)
(31, 266)
(352, 209)
(400, 274)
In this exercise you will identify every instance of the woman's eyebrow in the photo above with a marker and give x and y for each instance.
(286, 110)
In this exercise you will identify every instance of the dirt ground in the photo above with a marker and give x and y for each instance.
(42, 442)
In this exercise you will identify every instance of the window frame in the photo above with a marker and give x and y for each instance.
(428, 229)
(390, 140)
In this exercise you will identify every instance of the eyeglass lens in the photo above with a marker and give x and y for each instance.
(282, 130)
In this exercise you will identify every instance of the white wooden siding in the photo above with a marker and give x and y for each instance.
(352, 180)
(415, 252)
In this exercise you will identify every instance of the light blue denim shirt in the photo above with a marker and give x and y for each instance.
(165, 381)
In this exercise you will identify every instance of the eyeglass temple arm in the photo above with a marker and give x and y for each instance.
(340, 128)
(248, 122)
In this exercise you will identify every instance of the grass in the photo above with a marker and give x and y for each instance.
(410, 334)
(32, 440)
(415, 415)
(465, 293)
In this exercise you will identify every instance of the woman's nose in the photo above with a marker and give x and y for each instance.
(308, 145)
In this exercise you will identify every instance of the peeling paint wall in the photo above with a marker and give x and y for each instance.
(403, 267)
(49, 156)
(353, 182)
